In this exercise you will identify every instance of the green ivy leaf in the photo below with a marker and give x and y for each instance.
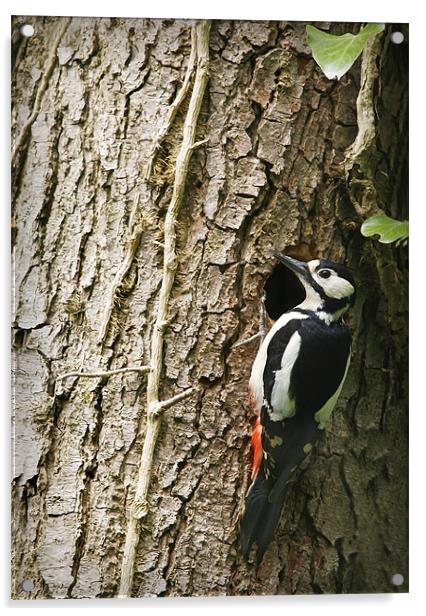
(389, 229)
(336, 54)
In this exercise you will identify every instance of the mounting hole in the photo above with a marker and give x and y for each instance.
(397, 38)
(28, 585)
(397, 579)
(27, 30)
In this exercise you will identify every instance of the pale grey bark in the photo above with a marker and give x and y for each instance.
(270, 177)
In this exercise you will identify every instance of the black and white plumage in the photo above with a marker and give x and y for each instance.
(296, 379)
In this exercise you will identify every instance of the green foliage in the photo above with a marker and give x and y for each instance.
(336, 54)
(389, 229)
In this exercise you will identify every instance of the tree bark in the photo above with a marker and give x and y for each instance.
(277, 173)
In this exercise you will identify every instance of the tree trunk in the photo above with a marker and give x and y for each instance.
(275, 174)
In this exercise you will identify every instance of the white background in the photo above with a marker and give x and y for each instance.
(308, 10)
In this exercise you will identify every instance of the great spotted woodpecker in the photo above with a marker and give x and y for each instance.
(296, 378)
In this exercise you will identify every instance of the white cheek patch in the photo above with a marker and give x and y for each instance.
(335, 287)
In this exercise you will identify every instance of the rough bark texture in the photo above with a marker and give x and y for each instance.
(275, 174)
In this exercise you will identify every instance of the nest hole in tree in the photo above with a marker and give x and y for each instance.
(283, 291)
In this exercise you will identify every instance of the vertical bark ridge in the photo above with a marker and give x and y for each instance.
(139, 507)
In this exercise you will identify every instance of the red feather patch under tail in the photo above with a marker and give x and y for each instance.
(256, 443)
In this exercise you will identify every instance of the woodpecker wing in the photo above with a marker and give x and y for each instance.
(283, 351)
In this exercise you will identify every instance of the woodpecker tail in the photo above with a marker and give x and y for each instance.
(264, 502)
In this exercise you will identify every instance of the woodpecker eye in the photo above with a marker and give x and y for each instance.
(324, 273)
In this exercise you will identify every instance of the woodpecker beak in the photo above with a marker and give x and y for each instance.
(298, 267)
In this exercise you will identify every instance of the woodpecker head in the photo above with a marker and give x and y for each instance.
(330, 287)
